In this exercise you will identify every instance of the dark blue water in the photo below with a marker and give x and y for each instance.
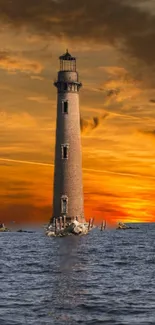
(102, 278)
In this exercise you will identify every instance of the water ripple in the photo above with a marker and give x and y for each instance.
(103, 278)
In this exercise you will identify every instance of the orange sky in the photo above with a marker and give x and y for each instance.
(116, 57)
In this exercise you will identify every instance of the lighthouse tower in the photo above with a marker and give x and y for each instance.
(68, 187)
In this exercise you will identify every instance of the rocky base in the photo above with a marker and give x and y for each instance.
(4, 230)
(73, 228)
(122, 226)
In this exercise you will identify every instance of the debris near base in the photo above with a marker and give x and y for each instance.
(73, 228)
(3, 228)
(122, 226)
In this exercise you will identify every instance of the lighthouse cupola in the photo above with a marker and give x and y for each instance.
(68, 79)
(67, 62)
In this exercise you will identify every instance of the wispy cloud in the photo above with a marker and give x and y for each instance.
(88, 125)
(90, 170)
(10, 62)
(37, 78)
(26, 162)
(41, 99)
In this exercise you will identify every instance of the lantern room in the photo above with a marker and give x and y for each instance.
(67, 62)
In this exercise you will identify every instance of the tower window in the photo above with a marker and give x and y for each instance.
(65, 86)
(64, 151)
(65, 107)
(64, 204)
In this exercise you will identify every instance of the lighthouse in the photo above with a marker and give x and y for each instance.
(68, 186)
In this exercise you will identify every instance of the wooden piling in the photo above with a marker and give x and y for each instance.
(53, 223)
(64, 221)
(60, 221)
(55, 226)
(102, 226)
(89, 224)
(92, 223)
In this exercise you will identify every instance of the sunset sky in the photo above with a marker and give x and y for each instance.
(114, 42)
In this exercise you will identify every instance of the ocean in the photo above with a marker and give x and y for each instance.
(103, 278)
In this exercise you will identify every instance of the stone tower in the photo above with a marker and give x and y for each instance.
(68, 187)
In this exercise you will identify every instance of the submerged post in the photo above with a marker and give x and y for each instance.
(92, 223)
(56, 226)
(64, 221)
(89, 225)
(102, 226)
(60, 223)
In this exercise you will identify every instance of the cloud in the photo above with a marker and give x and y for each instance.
(119, 86)
(25, 212)
(91, 124)
(152, 101)
(26, 162)
(18, 196)
(41, 99)
(87, 170)
(17, 121)
(13, 63)
(115, 22)
(113, 70)
(112, 92)
(102, 193)
(150, 133)
(37, 78)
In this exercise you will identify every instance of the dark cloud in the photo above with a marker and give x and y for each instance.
(111, 212)
(11, 61)
(152, 101)
(151, 132)
(101, 193)
(116, 22)
(16, 196)
(96, 121)
(112, 92)
(25, 213)
(91, 124)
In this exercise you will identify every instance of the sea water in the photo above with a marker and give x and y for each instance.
(102, 278)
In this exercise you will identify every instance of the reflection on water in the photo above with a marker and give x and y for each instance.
(67, 253)
(66, 292)
(103, 278)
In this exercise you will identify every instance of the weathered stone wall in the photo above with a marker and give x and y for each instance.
(68, 172)
(67, 75)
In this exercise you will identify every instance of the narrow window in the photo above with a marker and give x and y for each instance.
(64, 204)
(64, 151)
(65, 156)
(65, 107)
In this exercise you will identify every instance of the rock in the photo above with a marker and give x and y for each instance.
(122, 226)
(27, 231)
(4, 229)
(74, 228)
(50, 234)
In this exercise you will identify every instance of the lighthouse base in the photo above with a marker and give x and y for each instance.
(72, 228)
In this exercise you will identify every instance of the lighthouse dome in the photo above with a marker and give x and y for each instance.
(67, 57)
